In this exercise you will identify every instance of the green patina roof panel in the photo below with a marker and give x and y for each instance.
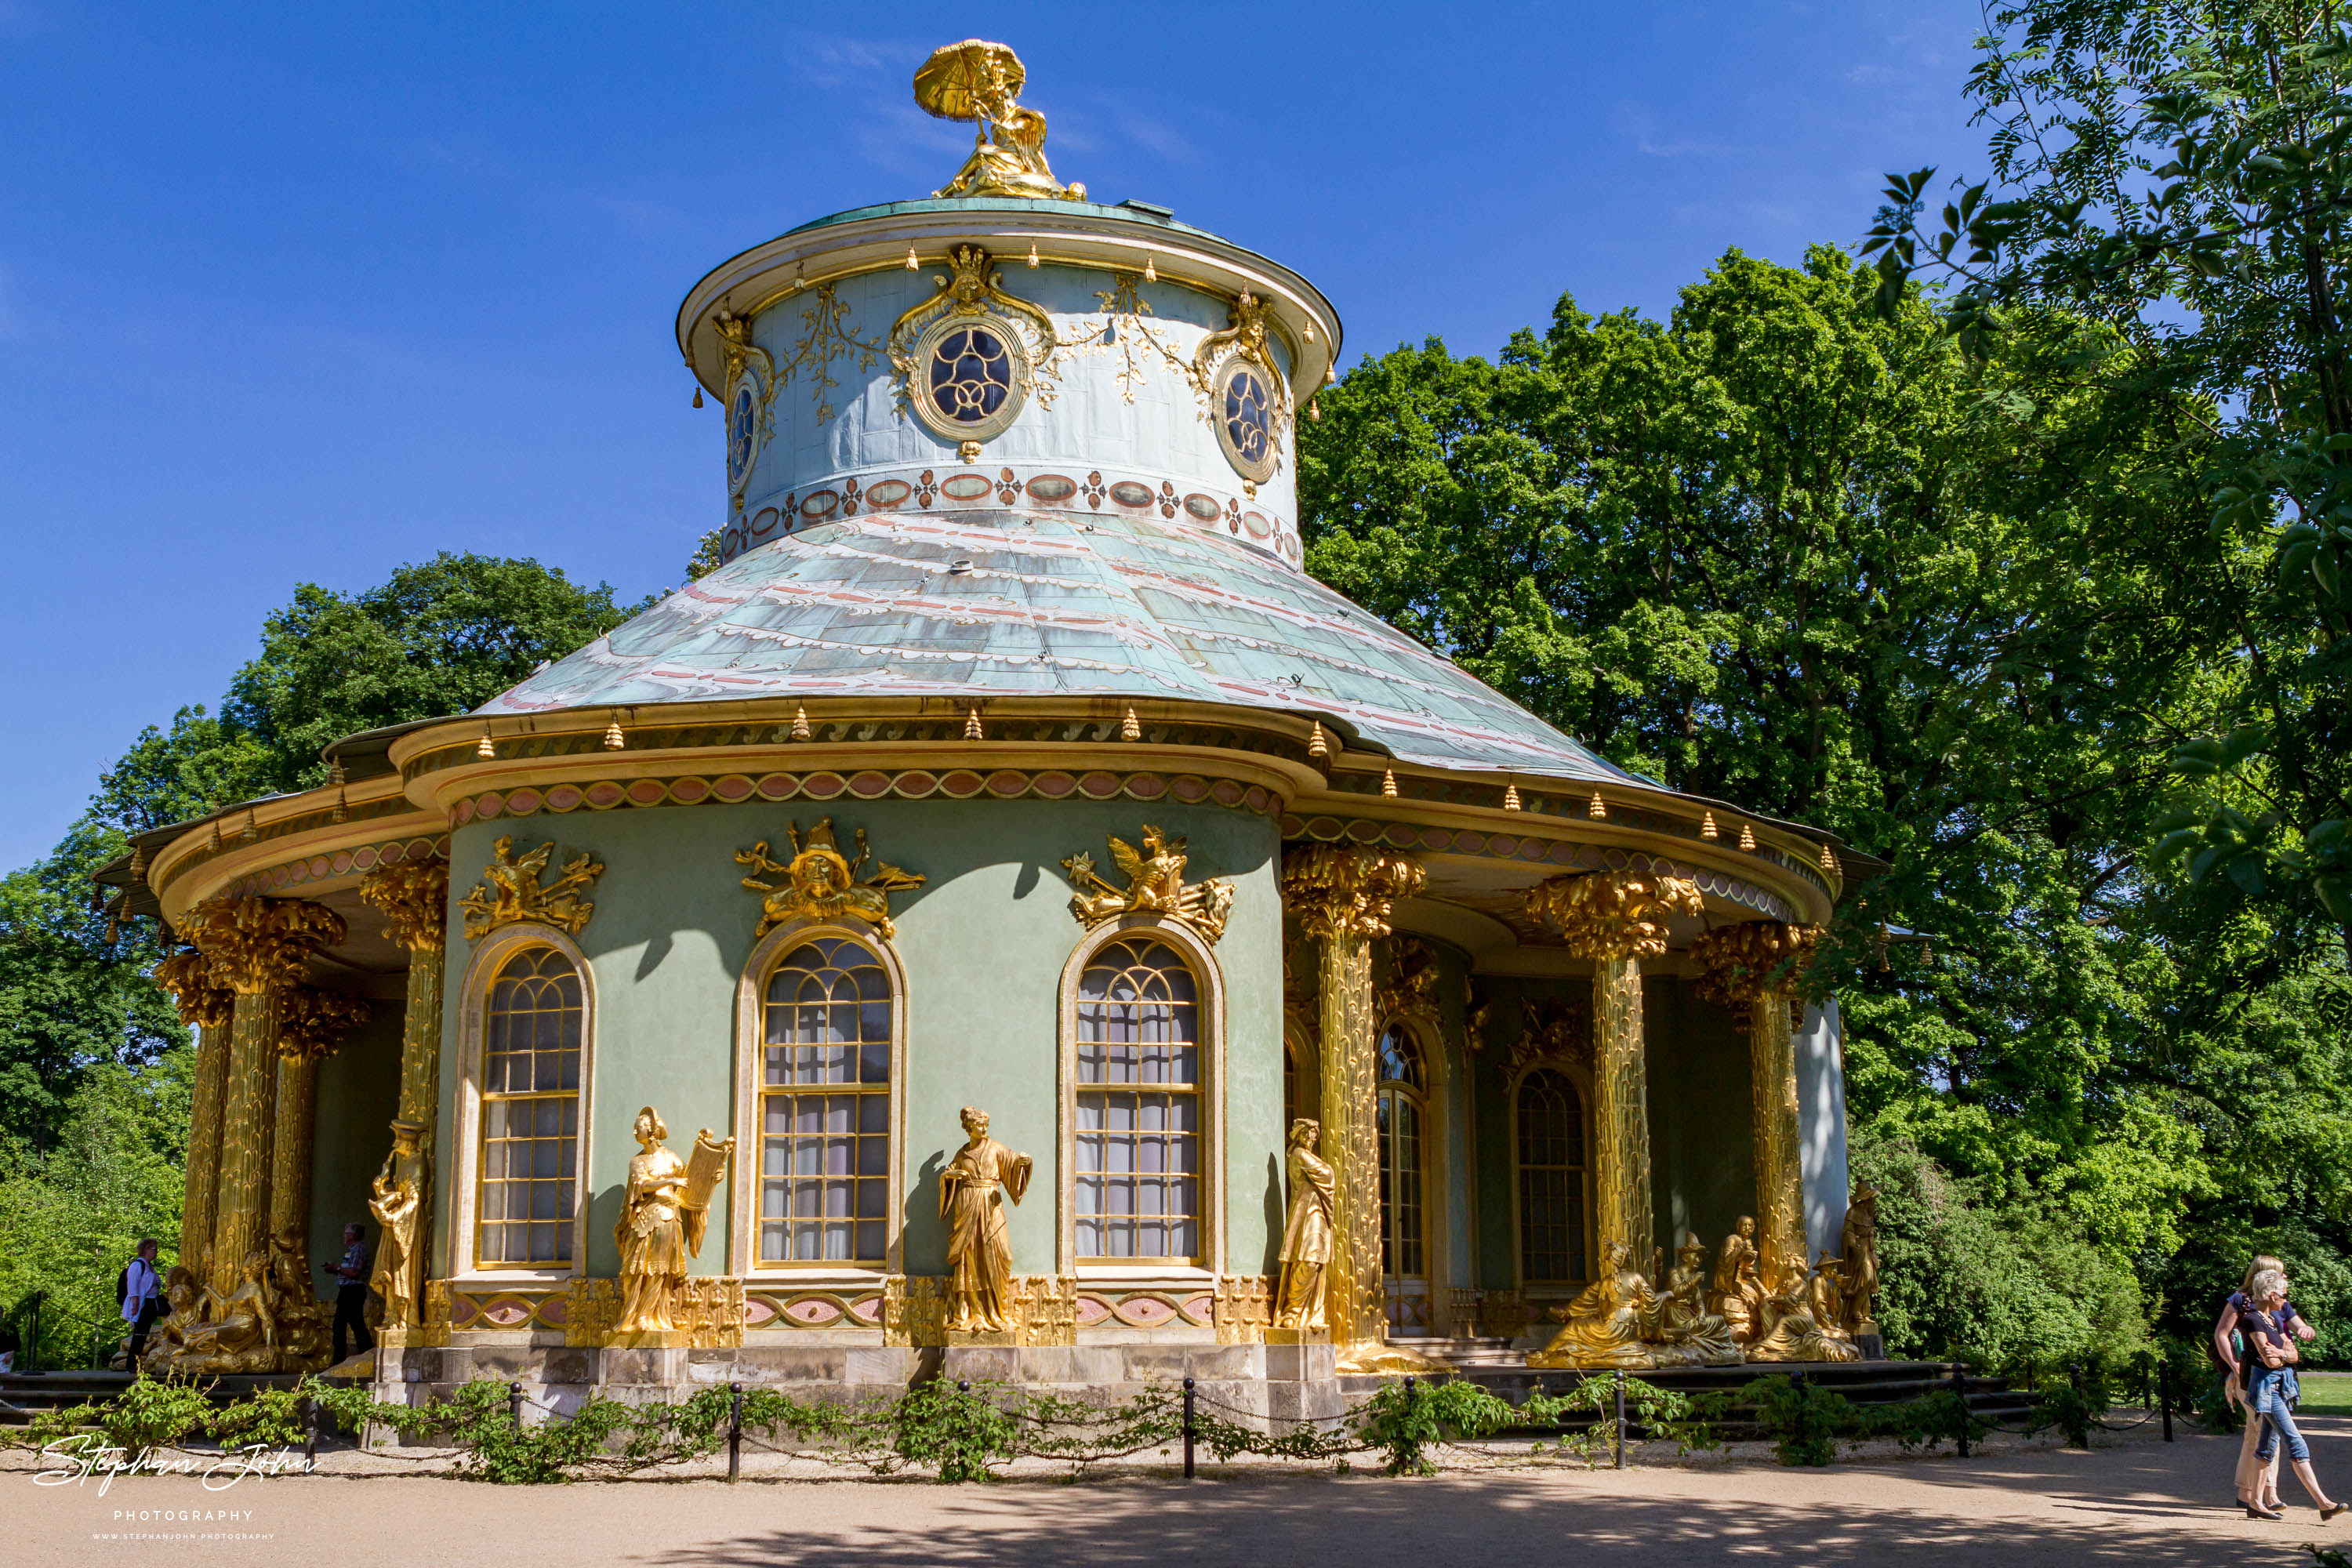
(1013, 601)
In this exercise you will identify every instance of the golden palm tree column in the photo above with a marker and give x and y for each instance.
(1751, 969)
(209, 1007)
(1342, 897)
(1616, 922)
(258, 947)
(414, 898)
(311, 1023)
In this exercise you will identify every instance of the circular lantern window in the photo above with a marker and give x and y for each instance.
(973, 378)
(1245, 419)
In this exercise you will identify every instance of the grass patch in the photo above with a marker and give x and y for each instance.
(2328, 1391)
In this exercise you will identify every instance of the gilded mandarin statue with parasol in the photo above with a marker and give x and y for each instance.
(980, 82)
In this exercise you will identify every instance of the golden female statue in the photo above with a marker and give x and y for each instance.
(1858, 1239)
(980, 1248)
(1738, 1292)
(1792, 1326)
(651, 1232)
(1605, 1325)
(395, 1202)
(237, 1332)
(1307, 1240)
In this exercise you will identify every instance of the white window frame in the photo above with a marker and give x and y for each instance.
(1209, 980)
(482, 969)
(750, 1039)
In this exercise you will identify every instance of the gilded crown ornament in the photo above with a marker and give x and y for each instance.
(414, 898)
(1155, 885)
(821, 883)
(312, 1023)
(1739, 964)
(1604, 915)
(256, 945)
(1340, 889)
(511, 891)
(981, 82)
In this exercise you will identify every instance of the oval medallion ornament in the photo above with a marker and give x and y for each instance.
(1127, 492)
(1052, 488)
(1244, 412)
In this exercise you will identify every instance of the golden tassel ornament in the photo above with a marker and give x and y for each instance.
(1510, 797)
(486, 748)
(1747, 836)
(972, 730)
(1387, 783)
(614, 740)
(800, 723)
(1131, 728)
(1316, 746)
(1707, 827)
(1597, 808)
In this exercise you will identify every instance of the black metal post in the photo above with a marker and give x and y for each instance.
(33, 1335)
(1960, 1392)
(1621, 1417)
(1188, 1427)
(734, 1431)
(514, 1404)
(2164, 1393)
(310, 1435)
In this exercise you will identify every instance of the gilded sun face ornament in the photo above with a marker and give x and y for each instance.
(819, 882)
(1155, 885)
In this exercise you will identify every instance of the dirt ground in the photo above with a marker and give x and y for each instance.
(2134, 1502)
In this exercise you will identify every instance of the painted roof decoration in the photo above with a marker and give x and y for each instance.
(1016, 602)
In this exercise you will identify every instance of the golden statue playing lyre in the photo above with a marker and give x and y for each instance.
(979, 81)
(665, 1207)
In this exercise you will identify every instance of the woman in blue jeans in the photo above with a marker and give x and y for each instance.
(2272, 1389)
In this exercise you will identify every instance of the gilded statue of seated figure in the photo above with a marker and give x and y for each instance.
(1607, 1324)
(1694, 1335)
(1794, 1328)
(237, 1332)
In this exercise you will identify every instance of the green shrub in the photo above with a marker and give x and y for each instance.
(1803, 1419)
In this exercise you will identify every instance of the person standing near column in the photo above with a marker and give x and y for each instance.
(352, 1292)
(142, 1297)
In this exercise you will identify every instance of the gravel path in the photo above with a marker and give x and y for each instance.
(2133, 1501)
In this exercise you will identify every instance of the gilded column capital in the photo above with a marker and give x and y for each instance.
(415, 897)
(1739, 964)
(1339, 889)
(257, 945)
(311, 1022)
(203, 998)
(1607, 915)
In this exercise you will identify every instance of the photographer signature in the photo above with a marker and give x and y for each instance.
(77, 1461)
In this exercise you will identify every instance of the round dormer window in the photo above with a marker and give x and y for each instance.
(972, 379)
(1245, 415)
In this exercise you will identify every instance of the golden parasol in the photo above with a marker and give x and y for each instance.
(974, 79)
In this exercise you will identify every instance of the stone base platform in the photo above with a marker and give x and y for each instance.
(1262, 1382)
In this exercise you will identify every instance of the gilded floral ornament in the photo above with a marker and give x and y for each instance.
(1412, 988)
(1604, 915)
(1342, 890)
(1155, 885)
(980, 81)
(256, 945)
(821, 883)
(311, 1022)
(967, 360)
(414, 898)
(1553, 1028)
(511, 893)
(188, 976)
(1739, 964)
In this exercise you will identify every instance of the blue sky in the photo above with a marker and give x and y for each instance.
(301, 293)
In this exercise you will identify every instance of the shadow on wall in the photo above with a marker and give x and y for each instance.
(924, 1247)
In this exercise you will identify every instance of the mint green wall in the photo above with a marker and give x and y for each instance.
(359, 1094)
(983, 945)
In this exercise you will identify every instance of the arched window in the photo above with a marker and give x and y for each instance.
(824, 1106)
(532, 1028)
(1138, 1164)
(1551, 1180)
(1404, 1117)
